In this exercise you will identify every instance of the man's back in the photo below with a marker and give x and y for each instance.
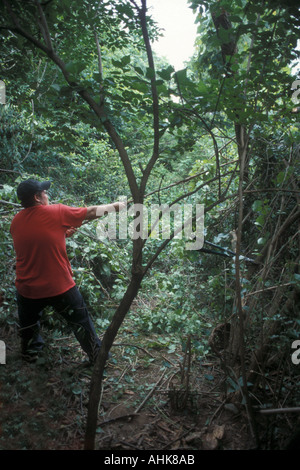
(43, 269)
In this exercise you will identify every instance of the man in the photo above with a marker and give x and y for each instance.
(43, 271)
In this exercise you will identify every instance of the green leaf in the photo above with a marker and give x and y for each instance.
(166, 74)
(74, 68)
(260, 220)
(181, 76)
(139, 70)
(143, 87)
(76, 389)
(150, 73)
(125, 60)
(257, 205)
(56, 87)
(209, 377)
(117, 63)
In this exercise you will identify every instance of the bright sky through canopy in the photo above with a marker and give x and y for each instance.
(178, 21)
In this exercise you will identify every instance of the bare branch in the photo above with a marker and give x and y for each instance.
(188, 179)
(44, 26)
(195, 113)
(155, 155)
(166, 242)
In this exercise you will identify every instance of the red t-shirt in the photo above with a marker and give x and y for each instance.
(39, 235)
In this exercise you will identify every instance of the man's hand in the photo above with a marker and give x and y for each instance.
(119, 206)
(70, 231)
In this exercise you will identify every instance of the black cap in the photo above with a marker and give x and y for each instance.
(29, 188)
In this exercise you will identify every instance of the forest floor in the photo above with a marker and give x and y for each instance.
(144, 404)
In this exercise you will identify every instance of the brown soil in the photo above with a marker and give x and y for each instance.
(146, 403)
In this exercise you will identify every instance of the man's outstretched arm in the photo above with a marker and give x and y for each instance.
(93, 212)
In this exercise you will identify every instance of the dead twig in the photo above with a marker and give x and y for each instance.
(280, 410)
(134, 346)
(117, 418)
(184, 434)
(150, 393)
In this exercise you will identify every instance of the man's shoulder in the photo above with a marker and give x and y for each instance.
(52, 207)
(56, 208)
(31, 211)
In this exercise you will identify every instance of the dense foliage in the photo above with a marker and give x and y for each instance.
(87, 108)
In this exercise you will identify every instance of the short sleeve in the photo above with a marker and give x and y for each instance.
(72, 216)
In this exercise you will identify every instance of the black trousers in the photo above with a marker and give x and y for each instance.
(71, 306)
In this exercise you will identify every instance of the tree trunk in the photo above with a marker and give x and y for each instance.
(108, 339)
